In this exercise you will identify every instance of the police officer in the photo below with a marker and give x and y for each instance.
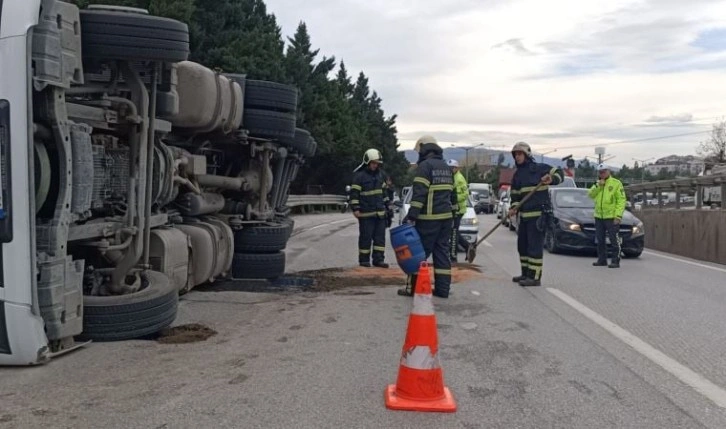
(532, 224)
(609, 197)
(368, 201)
(433, 203)
(462, 194)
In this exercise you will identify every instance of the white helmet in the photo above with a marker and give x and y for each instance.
(427, 139)
(372, 155)
(452, 163)
(601, 167)
(522, 147)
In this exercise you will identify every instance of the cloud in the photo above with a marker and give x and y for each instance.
(556, 73)
(682, 118)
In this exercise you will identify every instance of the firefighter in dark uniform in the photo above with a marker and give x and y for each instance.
(433, 205)
(533, 213)
(368, 200)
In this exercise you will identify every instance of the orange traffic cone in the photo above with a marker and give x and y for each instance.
(420, 384)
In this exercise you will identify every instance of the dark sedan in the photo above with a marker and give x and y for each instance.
(572, 225)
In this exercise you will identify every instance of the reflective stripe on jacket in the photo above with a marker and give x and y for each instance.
(433, 196)
(367, 193)
(525, 179)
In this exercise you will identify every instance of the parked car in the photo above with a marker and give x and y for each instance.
(572, 225)
(469, 227)
(503, 198)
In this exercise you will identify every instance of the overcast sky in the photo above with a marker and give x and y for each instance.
(557, 73)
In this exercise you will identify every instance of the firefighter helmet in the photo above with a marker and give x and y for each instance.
(372, 155)
(427, 139)
(522, 147)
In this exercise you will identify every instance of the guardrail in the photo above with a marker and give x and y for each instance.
(316, 203)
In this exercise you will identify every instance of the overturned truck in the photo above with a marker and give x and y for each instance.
(129, 175)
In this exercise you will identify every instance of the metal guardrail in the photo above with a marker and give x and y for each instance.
(312, 200)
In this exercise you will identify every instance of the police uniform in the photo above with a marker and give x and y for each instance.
(368, 196)
(433, 203)
(531, 232)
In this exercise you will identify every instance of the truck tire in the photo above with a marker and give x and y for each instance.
(124, 317)
(258, 265)
(261, 94)
(301, 142)
(265, 123)
(261, 239)
(133, 36)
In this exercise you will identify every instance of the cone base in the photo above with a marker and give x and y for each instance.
(444, 405)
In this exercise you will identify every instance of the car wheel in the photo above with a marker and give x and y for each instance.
(633, 255)
(261, 94)
(258, 265)
(551, 241)
(138, 314)
(301, 142)
(262, 239)
(122, 35)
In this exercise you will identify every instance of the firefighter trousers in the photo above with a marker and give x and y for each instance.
(436, 239)
(530, 244)
(372, 230)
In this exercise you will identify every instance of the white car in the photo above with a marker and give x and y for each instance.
(469, 227)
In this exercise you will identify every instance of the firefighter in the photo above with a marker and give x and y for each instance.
(433, 204)
(533, 213)
(462, 193)
(609, 197)
(368, 201)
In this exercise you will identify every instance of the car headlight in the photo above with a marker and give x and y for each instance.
(469, 221)
(568, 225)
(638, 229)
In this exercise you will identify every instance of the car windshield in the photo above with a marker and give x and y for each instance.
(573, 199)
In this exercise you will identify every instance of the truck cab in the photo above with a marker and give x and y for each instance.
(127, 175)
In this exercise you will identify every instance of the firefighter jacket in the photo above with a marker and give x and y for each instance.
(462, 192)
(368, 193)
(609, 199)
(525, 179)
(433, 196)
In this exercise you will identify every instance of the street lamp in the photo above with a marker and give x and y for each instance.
(642, 166)
(541, 159)
(467, 149)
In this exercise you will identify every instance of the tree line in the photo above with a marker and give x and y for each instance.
(343, 114)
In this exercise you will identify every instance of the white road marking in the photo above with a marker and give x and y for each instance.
(323, 225)
(475, 293)
(699, 383)
(685, 261)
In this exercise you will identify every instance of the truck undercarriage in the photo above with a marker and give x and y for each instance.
(151, 174)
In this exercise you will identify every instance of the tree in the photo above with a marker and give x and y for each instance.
(714, 149)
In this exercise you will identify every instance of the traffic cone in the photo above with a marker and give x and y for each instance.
(420, 384)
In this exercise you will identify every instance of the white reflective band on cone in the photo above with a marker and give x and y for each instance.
(423, 305)
(420, 357)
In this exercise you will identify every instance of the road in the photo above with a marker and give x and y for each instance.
(639, 347)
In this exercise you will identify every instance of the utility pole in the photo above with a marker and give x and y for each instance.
(599, 151)
(467, 149)
(642, 162)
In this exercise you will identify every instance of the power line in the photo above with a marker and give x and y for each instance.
(632, 141)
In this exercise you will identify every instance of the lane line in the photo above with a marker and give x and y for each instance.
(685, 261)
(696, 381)
(303, 230)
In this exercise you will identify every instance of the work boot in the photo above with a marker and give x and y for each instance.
(614, 264)
(599, 264)
(380, 264)
(365, 264)
(530, 282)
(518, 278)
(405, 292)
(440, 294)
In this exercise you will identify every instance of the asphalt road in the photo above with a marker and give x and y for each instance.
(639, 347)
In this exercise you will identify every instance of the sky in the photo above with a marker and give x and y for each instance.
(565, 76)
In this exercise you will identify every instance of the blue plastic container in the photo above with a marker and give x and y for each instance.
(409, 251)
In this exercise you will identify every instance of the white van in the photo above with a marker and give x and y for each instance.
(482, 195)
